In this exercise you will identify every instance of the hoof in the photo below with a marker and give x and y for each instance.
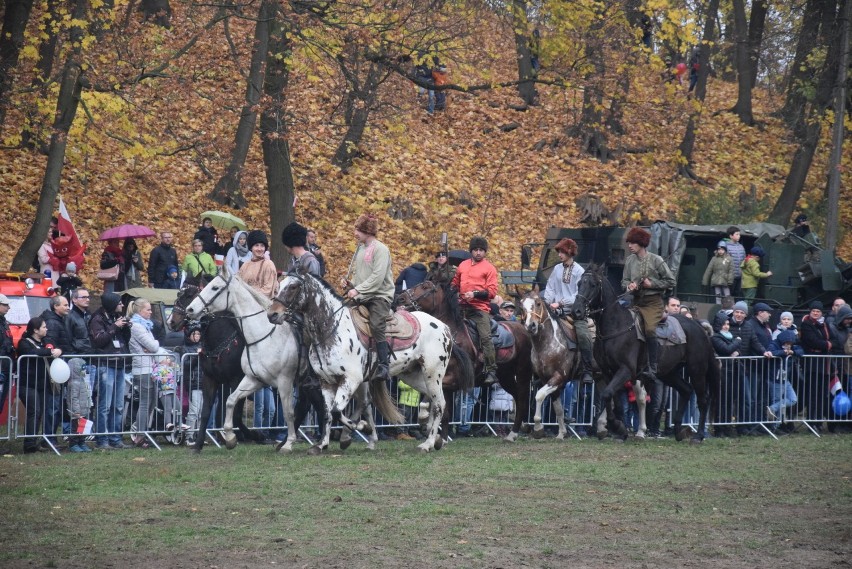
(526, 428)
(283, 448)
(195, 450)
(538, 434)
(602, 435)
(231, 443)
(344, 444)
(682, 434)
(315, 450)
(371, 445)
(511, 437)
(439, 443)
(696, 440)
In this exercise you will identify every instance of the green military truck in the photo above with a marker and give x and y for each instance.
(801, 270)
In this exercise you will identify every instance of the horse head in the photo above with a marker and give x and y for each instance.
(291, 295)
(210, 299)
(187, 293)
(589, 292)
(535, 310)
(422, 297)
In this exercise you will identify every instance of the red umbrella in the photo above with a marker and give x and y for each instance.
(127, 231)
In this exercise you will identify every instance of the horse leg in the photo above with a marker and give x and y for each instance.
(608, 399)
(540, 395)
(445, 416)
(208, 394)
(684, 391)
(285, 395)
(641, 395)
(556, 403)
(328, 395)
(246, 387)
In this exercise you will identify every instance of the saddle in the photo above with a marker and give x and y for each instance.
(669, 330)
(402, 328)
(566, 324)
(501, 337)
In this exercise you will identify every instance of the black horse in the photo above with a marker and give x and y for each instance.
(621, 355)
(222, 346)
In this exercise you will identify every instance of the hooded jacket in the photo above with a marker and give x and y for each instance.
(237, 255)
(107, 338)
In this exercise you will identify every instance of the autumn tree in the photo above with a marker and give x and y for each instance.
(15, 19)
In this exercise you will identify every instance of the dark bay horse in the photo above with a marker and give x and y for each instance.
(621, 355)
(515, 374)
(222, 346)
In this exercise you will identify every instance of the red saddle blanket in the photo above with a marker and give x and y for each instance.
(402, 328)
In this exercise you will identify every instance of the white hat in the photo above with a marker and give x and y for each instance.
(4, 299)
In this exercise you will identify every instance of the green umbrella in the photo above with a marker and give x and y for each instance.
(224, 220)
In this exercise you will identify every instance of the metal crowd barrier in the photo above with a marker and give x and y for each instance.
(8, 399)
(748, 386)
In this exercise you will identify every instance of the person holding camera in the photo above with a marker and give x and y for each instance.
(110, 335)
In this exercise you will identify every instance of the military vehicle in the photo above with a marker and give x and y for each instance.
(801, 270)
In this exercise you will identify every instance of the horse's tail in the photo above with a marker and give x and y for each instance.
(385, 403)
(714, 378)
(467, 375)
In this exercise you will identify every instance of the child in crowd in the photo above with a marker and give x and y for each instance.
(172, 279)
(785, 323)
(192, 374)
(78, 399)
(752, 273)
(720, 272)
(163, 372)
(781, 393)
(69, 280)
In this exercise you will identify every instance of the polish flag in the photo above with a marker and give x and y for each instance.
(66, 227)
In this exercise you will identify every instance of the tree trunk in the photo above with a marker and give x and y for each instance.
(795, 104)
(273, 132)
(227, 190)
(756, 26)
(834, 162)
(70, 90)
(727, 61)
(802, 159)
(526, 73)
(11, 41)
(158, 11)
(687, 145)
(31, 133)
(361, 99)
(743, 105)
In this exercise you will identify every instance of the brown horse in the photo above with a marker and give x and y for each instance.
(514, 369)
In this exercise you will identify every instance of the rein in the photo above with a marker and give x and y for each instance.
(411, 300)
(605, 307)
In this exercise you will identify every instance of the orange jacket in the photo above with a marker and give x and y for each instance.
(481, 276)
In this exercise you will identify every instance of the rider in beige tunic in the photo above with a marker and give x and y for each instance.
(647, 276)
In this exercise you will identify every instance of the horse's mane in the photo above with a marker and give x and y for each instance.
(262, 300)
(451, 300)
(327, 286)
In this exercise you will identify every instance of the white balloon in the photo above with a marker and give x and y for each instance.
(59, 371)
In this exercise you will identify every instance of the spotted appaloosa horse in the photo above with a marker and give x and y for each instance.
(343, 363)
(514, 372)
(621, 355)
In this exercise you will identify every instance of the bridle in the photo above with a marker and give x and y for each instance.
(604, 307)
(410, 302)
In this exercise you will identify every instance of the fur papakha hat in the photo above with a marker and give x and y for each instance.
(567, 246)
(639, 236)
(257, 236)
(478, 243)
(367, 223)
(295, 235)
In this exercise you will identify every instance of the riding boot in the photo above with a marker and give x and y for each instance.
(588, 363)
(382, 362)
(653, 349)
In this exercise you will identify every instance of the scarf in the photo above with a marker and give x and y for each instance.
(137, 319)
(726, 335)
(242, 250)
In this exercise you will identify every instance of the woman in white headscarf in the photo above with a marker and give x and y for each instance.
(239, 253)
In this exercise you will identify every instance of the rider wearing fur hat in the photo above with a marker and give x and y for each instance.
(295, 239)
(476, 281)
(372, 286)
(260, 273)
(647, 276)
(560, 292)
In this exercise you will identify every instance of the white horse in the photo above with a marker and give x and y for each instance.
(343, 363)
(271, 355)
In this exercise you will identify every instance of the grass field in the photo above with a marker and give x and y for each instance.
(750, 502)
